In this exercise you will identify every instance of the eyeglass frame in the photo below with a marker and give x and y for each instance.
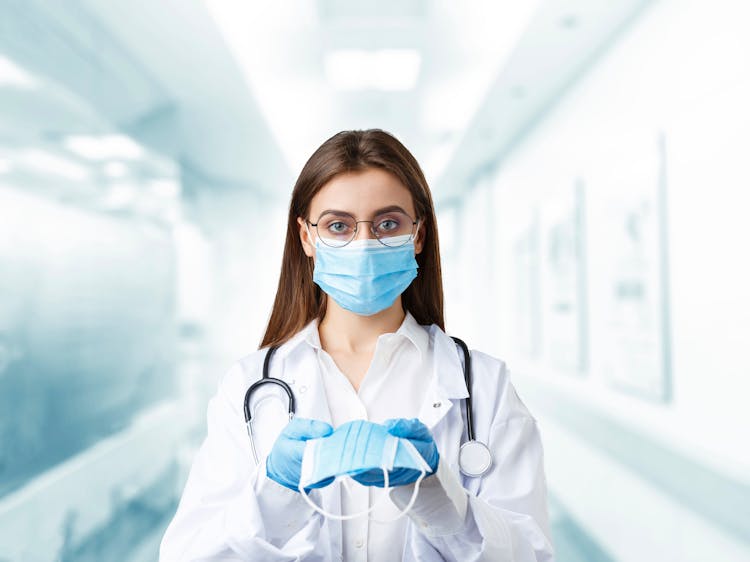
(412, 236)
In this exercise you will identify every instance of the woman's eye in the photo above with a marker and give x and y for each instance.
(337, 227)
(388, 225)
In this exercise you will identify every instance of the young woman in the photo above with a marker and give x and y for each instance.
(357, 333)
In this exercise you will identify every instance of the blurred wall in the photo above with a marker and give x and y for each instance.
(86, 341)
(618, 292)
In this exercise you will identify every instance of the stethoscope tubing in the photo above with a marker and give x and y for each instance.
(467, 378)
(266, 379)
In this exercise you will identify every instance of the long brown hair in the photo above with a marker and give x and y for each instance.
(298, 298)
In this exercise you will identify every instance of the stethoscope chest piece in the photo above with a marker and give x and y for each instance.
(474, 458)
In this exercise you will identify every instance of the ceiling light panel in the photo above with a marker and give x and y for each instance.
(381, 69)
(13, 75)
(104, 147)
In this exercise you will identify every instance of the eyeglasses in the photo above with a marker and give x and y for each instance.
(392, 229)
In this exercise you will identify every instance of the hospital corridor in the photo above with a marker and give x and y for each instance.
(589, 166)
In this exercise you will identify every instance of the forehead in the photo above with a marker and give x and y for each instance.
(361, 193)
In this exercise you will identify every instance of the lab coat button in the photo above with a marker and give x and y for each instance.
(303, 388)
(359, 543)
(436, 405)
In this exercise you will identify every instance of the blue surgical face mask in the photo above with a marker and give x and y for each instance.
(365, 276)
(354, 448)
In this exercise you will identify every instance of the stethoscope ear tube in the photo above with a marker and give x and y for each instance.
(264, 380)
(474, 457)
(467, 378)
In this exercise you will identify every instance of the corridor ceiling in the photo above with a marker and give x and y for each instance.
(238, 93)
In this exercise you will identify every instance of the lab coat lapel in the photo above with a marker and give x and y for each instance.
(441, 409)
(302, 373)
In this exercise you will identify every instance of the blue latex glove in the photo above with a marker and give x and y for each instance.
(420, 436)
(284, 462)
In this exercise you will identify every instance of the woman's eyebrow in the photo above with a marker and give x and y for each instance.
(387, 209)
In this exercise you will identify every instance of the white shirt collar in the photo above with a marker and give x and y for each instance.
(410, 329)
(449, 377)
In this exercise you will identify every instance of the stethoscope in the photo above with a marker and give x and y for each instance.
(474, 458)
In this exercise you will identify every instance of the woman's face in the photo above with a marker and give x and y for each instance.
(361, 194)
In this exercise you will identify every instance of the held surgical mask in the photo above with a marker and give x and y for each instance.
(354, 448)
(365, 276)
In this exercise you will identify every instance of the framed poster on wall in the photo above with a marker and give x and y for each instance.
(638, 350)
(563, 280)
(527, 329)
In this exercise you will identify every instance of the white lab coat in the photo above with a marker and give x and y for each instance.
(230, 509)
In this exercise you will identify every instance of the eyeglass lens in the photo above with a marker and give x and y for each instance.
(338, 229)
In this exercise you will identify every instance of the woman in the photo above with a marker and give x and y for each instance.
(358, 321)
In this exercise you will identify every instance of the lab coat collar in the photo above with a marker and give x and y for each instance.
(410, 329)
(448, 367)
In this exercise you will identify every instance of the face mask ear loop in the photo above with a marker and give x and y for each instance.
(422, 473)
(408, 506)
(343, 517)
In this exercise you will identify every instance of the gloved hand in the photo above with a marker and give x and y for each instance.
(420, 436)
(284, 462)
